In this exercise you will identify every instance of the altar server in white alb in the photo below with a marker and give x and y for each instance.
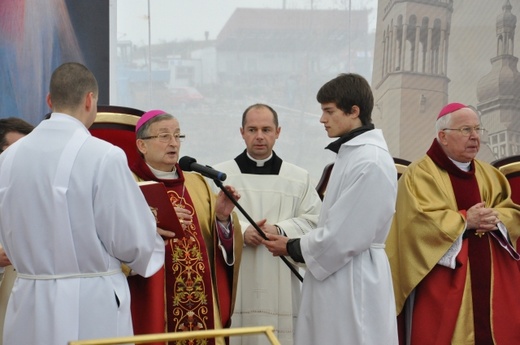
(347, 293)
(70, 214)
(280, 197)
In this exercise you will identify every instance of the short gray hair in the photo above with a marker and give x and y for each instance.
(442, 123)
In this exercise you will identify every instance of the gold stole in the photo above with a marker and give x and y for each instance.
(189, 290)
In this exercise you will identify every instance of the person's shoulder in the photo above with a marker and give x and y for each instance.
(419, 169)
(485, 166)
(368, 151)
(194, 178)
(229, 167)
(197, 185)
(422, 163)
(373, 157)
(293, 172)
(95, 141)
(294, 168)
(102, 147)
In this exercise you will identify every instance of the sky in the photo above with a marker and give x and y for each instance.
(180, 20)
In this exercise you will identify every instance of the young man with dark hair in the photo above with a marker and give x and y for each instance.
(347, 295)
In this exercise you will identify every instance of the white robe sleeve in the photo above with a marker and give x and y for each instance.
(122, 216)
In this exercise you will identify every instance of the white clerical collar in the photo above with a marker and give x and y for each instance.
(462, 166)
(260, 162)
(164, 175)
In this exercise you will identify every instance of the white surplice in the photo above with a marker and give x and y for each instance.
(70, 213)
(268, 292)
(347, 295)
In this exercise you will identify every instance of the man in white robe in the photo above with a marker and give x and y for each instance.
(70, 214)
(280, 197)
(11, 130)
(347, 293)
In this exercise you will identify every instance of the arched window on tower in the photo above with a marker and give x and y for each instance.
(435, 48)
(399, 43)
(411, 44)
(500, 45)
(385, 53)
(424, 44)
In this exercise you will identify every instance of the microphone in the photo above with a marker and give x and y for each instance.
(190, 164)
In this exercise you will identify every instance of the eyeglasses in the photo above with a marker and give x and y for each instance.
(467, 130)
(167, 137)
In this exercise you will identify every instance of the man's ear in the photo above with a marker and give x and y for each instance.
(442, 138)
(90, 101)
(354, 111)
(141, 146)
(49, 101)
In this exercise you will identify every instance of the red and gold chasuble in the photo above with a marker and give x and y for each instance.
(181, 297)
(474, 302)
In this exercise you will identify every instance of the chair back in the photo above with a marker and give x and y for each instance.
(321, 187)
(510, 167)
(401, 165)
(117, 126)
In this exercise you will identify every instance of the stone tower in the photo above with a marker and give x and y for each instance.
(498, 92)
(409, 79)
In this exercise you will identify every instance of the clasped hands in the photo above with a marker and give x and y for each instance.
(275, 242)
(481, 218)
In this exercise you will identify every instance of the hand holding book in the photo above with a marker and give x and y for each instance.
(165, 214)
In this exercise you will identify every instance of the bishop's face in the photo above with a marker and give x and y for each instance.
(459, 147)
(159, 154)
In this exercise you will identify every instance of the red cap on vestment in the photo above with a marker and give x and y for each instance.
(148, 116)
(450, 108)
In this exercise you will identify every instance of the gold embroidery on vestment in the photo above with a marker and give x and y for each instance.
(190, 301)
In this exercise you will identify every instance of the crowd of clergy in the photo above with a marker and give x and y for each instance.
(426, 258)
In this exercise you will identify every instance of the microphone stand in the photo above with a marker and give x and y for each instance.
(257, 228)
